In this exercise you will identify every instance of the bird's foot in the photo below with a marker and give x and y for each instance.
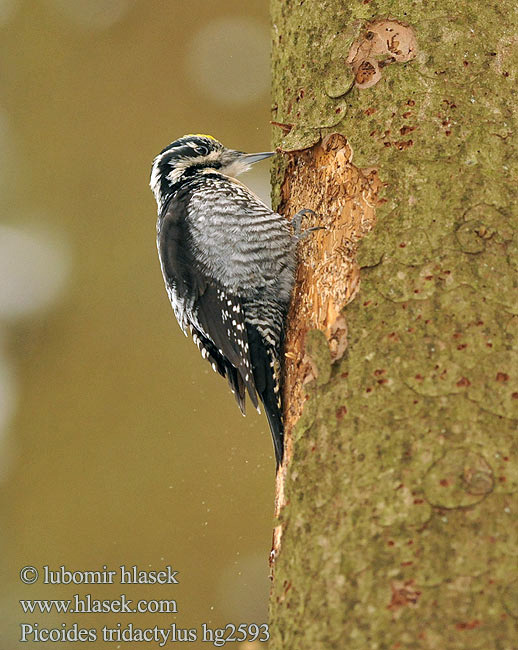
(296, 222)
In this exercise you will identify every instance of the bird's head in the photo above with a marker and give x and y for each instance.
(196, 154)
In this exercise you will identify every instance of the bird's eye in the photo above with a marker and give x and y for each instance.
(202, 151)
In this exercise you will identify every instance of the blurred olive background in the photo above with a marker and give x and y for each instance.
(118, 444)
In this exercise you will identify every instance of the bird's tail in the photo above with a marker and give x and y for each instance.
(267, 381)
(271, 399)
(273, 413)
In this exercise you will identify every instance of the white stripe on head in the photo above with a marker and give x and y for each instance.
(154, 181)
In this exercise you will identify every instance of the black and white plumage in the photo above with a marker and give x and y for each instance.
(228, 263)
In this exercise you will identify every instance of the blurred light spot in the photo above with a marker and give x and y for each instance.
(229, 60)
(7, 10)
(95, 14)
(243, 589)
(34, 267)
(8, 399)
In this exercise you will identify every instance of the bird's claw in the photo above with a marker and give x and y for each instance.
(296, 222)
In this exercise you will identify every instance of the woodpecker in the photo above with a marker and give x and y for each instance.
(228, 263)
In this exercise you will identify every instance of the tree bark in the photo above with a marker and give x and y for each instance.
(397, 504)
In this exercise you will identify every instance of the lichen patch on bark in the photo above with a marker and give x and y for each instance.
(381, 42)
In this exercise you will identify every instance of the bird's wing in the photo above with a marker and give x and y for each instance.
(215, 315)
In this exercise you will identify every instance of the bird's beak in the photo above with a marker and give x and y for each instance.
(250, 158)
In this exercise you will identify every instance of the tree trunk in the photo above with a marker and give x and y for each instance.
(397, 504)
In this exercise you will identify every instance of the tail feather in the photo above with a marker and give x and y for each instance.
(266, 371)
(263, 383)
(276, 427)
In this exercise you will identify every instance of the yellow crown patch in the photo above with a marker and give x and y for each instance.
(201, 135)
